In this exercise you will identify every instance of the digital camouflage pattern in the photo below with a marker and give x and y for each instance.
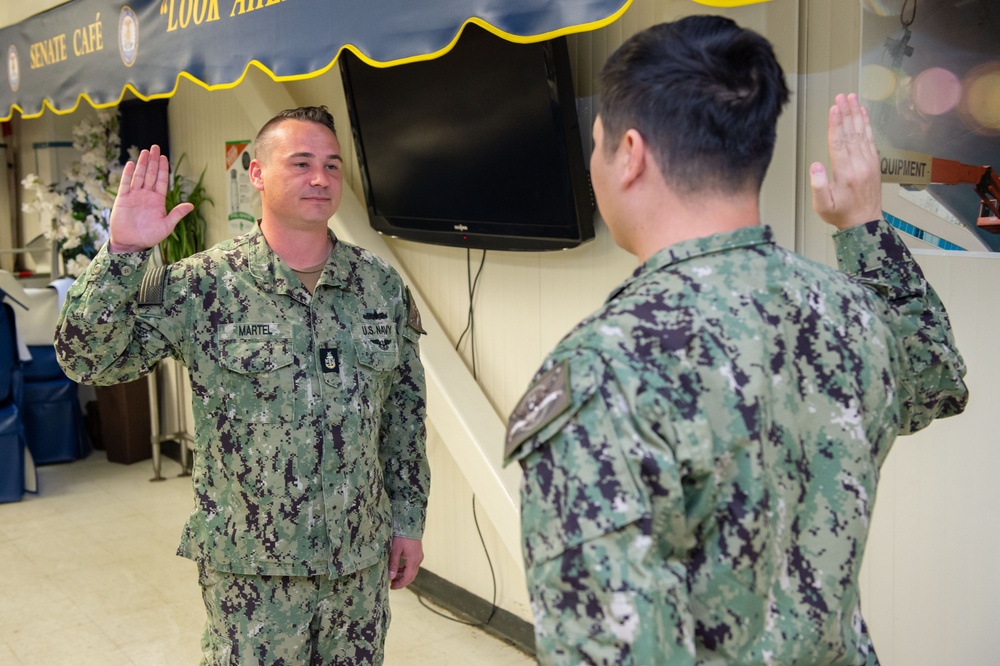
(309, 446)
(295, 620)
(704, 497)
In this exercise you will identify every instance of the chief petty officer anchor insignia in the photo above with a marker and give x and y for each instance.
(329, 358)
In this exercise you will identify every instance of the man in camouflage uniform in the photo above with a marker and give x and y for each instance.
(310, 471)
(700, 455)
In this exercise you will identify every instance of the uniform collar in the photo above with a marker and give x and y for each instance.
(275, 276)
(698, 247)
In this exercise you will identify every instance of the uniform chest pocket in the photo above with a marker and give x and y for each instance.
(376, 346)
(377, 357)
(259, 380)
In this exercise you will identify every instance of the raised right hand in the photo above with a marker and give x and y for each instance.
(851, 194)
(138, 217)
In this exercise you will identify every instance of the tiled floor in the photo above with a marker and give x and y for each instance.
(88, 576)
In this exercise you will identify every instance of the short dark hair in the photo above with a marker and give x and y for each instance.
(312, 114)
(704, 93)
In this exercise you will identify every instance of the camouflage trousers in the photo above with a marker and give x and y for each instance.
(295, 620)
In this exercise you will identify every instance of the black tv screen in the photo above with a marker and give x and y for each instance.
(478, 148)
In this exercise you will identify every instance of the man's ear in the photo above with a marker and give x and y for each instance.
(633, 154)
(255, 175)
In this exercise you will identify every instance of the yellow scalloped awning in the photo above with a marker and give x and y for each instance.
(96, 50)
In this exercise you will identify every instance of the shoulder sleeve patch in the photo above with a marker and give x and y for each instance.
(153, 285)
(545, 400)
(413, 317)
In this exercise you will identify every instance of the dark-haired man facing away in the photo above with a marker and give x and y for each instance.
(700, 455)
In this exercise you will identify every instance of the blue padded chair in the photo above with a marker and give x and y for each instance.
(11, 454)
(53, 420)
(12, 440)
(50, 410)
(10, 365)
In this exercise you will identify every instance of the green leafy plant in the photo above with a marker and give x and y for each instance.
(188, 237)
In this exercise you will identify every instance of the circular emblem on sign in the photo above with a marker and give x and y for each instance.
(128, 36)
(13, 68)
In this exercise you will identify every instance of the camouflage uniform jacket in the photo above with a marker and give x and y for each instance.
(700, 456)
(309, 446)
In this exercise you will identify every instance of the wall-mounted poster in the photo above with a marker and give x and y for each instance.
(242, 195)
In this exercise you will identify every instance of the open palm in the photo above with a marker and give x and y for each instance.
(851, 194)
(138, 218)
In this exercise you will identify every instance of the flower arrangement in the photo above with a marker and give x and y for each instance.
(79, 206)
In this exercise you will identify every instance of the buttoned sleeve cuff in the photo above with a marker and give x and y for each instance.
(865, 246)
(127, 267)
(408, 521)
(874, 253)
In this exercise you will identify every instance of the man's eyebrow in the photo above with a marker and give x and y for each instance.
(331, 156)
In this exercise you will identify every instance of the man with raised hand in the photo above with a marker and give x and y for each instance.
(310, 473)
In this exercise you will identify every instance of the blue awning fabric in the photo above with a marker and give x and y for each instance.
(96, 50)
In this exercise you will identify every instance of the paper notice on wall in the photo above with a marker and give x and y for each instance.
(242, 194)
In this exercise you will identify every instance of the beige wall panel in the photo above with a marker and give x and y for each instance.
(201, 121)
(931, 587)
(452, 546)
(830, 43)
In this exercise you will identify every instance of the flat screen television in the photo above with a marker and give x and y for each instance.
(141, 124)
(478, 148)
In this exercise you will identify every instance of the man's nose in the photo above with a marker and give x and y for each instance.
(320, 178)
